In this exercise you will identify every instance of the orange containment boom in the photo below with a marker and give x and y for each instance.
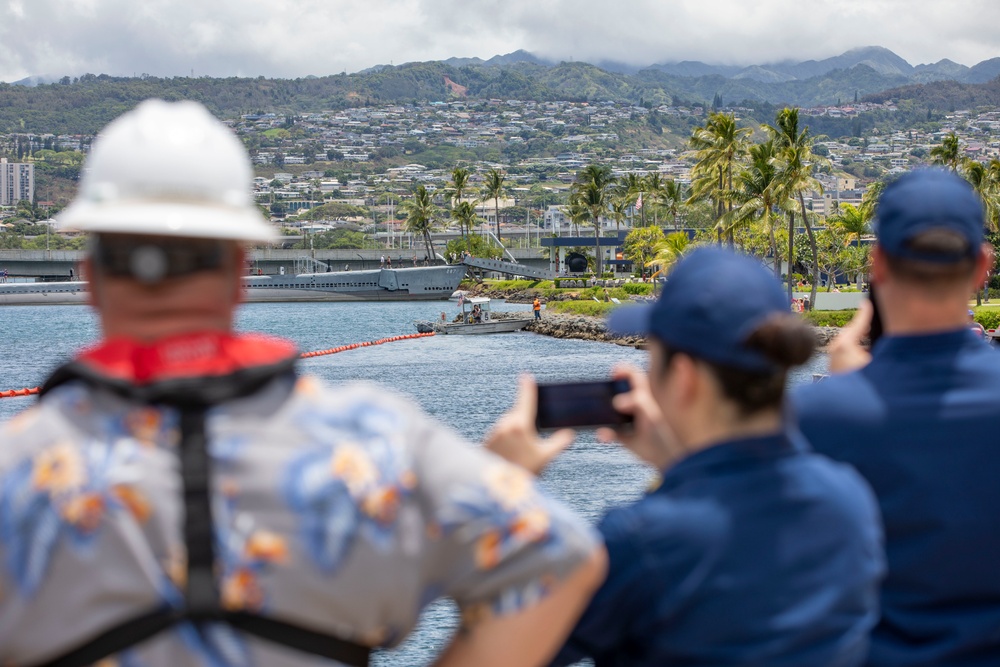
(17, 393)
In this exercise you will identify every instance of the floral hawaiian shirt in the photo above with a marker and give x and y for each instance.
(342, 510)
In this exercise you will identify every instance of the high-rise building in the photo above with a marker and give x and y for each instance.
(17, 182)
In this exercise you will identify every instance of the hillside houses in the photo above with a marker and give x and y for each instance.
(363, 154)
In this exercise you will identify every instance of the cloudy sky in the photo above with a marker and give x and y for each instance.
(290, 38)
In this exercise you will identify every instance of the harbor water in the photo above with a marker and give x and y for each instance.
(465, 381)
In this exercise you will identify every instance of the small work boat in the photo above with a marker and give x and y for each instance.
(476, 319)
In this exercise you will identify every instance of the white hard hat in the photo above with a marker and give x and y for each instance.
(168, 169)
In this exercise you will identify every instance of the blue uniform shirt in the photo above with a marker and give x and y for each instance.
(752, 552)
(920, 423)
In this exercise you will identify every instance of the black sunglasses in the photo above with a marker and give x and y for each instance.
(151, 260)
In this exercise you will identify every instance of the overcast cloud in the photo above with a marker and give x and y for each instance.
(291, 38)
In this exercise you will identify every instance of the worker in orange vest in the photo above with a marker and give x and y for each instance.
(537, 306)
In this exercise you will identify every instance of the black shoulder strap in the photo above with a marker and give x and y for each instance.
(117, 639)
(202, 593)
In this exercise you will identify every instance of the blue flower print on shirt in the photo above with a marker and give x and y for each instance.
(500, 515)
(354, 479)
(64, 491)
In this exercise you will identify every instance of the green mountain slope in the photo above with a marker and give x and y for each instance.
(944, 95)
(85, 105)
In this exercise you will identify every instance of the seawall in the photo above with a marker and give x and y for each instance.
(584, 327)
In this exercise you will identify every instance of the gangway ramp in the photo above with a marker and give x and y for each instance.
(510, 268)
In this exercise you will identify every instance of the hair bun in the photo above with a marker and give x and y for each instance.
(785, 339)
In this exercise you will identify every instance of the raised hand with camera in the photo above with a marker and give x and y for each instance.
(515, 436)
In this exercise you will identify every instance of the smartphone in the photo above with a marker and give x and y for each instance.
(577, 404)
(875, 330)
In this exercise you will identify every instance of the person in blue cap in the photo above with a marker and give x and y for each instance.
(975, 326)
(753, 550)
(918, 419)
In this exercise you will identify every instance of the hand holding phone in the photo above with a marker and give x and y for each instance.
(580, 404)
(515, 436)
(875, 328)
(647, 433)
(845, 352)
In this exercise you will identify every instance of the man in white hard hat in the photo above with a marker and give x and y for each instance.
(180, 496)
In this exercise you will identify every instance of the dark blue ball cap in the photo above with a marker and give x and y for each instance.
(711, 303)
(927, 199)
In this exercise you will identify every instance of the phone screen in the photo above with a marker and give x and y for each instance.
(580, 404)
(875, 330)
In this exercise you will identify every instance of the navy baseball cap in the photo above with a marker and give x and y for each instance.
(923, 200)
(711, 303)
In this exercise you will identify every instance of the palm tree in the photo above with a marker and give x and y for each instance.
(654, 189)
(592, 191)
(634, 185)
(420, 212)
(869, 201)
(719, 144)
(464, 213)
(672, 199)
(756, 196)
(456, 190)
(852, 220)
(796, 163)
(985, 180)
(577, 214)
(670, 250)
(949, 153)
(493, 188)
(619, 205)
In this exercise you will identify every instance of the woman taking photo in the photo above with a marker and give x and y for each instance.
(753, 550)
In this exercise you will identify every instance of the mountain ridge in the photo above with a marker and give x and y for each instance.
(86, 103)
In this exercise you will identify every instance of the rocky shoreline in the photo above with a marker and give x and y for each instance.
(520, 295)
(585, 327)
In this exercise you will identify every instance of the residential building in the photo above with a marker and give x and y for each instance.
(17, 182)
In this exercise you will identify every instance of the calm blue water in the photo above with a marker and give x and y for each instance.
(465, 381)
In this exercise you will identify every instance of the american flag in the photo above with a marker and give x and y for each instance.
(461, 300)
(638, 202)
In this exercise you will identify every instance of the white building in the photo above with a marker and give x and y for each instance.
(555, 219)
(17, 182)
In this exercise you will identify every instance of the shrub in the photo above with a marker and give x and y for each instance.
(642, 289)
(988, 317)
(593, 308)
(829, 318)
(476, 245)
(513, 284)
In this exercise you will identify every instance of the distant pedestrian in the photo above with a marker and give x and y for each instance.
(3, 276)
(978, 329)
(388, 262)
(537, 307)
(71, 274)
(381, 261)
